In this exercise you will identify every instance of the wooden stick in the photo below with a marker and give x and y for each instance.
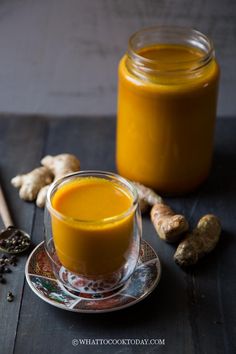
(4, 211)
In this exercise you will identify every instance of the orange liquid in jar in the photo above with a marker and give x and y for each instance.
(92, 246)
(165, 123)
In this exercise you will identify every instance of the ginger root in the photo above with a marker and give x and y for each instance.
(31, 183)
(61, 165)
(42, 195)
(201, 241)
(168, 225)
(35, 184)
(147, 197)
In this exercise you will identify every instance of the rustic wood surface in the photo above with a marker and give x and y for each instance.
(61, 56)
(193, 311)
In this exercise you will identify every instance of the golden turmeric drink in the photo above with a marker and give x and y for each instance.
(166, 112)
(94, 235)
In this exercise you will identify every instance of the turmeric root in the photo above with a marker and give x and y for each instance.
(168, 225)
(31, 183)
(201, 241)
(147, 197)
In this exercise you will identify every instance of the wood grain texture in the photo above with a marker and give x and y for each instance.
(194, 311)
(21, 146)
(60, 57)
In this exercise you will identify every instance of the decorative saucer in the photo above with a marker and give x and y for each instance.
(41, 279)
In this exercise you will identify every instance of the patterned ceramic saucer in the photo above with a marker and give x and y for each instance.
(40, 277)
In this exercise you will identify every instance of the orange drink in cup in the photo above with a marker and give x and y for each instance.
(94, 226)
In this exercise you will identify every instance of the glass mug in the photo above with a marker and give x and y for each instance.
(167, 98)
(92, 256)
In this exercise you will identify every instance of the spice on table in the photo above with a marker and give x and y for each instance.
(169, 225)
(7, 270)
(13, 260)
(201, 241)
(35, 184)
(16, 242)
(5, 261)
(10, 296)
(2, 280)
(31, 183)
(147, 197)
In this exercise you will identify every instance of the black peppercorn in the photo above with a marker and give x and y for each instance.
(10, 296)
(2, 280)
(7, 270)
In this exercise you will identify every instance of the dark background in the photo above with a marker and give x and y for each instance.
(61, 56)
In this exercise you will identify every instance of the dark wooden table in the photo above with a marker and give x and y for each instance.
(193, 311)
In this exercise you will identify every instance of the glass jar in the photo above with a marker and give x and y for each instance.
(92, 256)
(167, 98)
